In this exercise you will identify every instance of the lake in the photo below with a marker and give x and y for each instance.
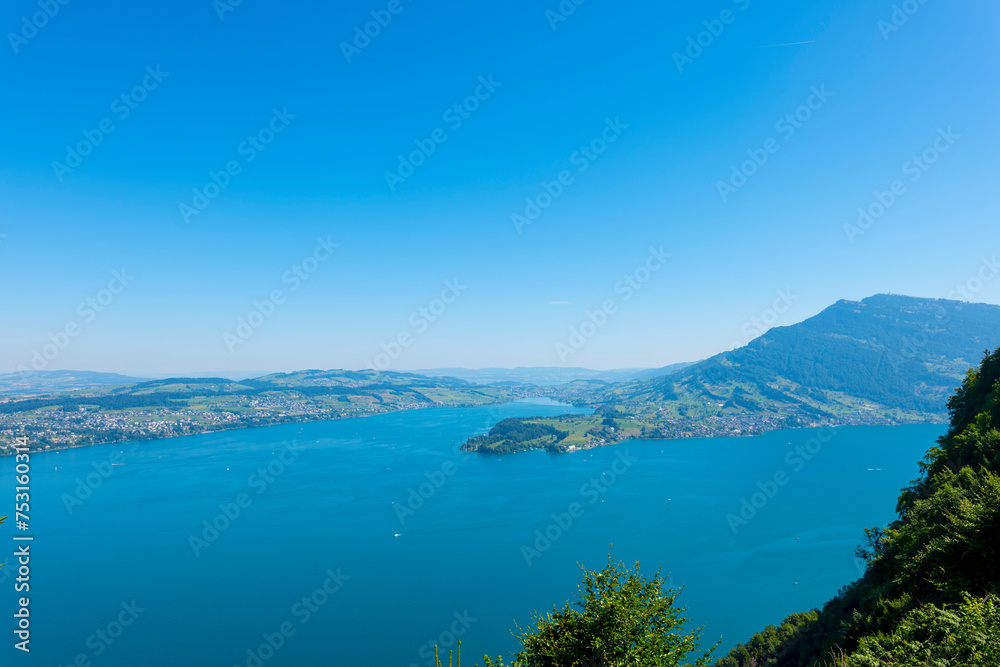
(365, 541)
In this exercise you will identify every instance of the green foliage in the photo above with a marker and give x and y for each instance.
(111, 402)
(514, 434)
(451, 656)
(929, 594)
(949, 543)
(770, 645)
(968, 634)
(621, 618)
(972, 437)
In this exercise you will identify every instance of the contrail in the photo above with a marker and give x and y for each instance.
(770, 46)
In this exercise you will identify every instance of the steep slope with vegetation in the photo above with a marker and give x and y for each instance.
(930, 592)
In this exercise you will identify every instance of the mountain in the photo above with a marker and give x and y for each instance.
(884, 360)
(37, 382)
(895, 351)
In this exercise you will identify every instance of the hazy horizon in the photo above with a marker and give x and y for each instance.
(754, 324)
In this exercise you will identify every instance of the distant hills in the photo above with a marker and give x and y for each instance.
(55, 381)
(547, 375)
(30, 382)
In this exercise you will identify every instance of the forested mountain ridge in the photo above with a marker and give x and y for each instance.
(901, 352)
(884, 360)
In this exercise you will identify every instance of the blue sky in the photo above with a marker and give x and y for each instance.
(672, 127)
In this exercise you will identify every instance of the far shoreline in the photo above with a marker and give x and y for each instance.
(539, 399)
(527, 399)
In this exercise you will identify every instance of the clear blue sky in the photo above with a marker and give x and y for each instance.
(324, 175)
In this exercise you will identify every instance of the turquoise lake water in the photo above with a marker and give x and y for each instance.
(336, 546)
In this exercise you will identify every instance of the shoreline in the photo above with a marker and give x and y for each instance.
(635, 437)
(707, 429)
(304, 420)
(930, 420)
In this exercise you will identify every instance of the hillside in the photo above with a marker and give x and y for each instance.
(896, 351)
(31, 382)
(182, 406)
(884, 360)
(929, 595)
